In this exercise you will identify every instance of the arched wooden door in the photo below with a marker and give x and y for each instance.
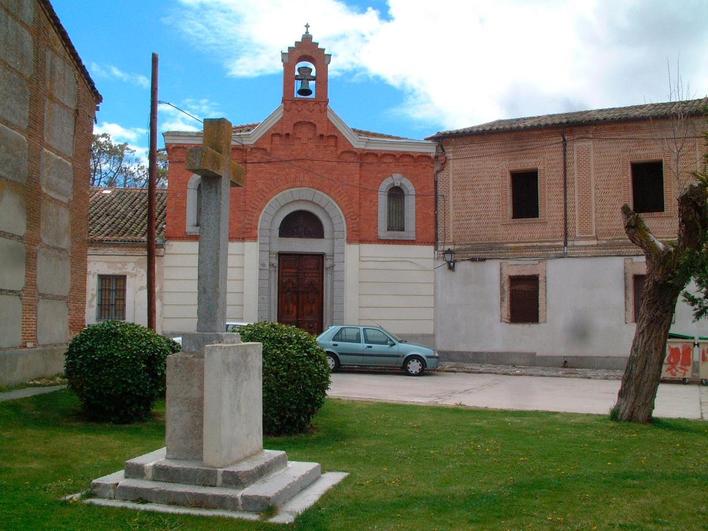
(300, 291)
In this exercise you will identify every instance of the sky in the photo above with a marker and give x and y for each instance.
(402, 67)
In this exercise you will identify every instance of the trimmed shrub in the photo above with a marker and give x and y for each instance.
(117, 369)
(295, 376)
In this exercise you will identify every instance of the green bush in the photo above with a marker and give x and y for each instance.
(295, 376)
(117, 369)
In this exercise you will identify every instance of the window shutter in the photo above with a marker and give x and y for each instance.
(523, 299)
(638, 288)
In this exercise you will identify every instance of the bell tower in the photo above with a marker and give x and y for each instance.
(305, 71)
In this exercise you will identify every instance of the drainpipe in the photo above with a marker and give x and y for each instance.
(440, 160)
(565, 194)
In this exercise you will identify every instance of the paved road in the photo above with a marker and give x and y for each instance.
(513, 392)
(29, 391)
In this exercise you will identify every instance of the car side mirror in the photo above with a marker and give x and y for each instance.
(391, 343)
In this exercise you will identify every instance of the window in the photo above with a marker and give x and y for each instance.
(637, 288)
(375, 337)
(301, 224)
(111, 298)
(524, 194)
(348, 335)
(523, 299)
(194, 208)
(198, 216)
(396, 209)
(648, 186)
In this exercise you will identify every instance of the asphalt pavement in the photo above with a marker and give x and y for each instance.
(570, 395)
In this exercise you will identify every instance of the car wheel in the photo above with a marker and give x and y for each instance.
(332, 362)
(414, 366)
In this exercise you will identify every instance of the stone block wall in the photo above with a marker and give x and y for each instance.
(47, 107)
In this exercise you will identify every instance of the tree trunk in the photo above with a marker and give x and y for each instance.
(635, 401)
(664, 281)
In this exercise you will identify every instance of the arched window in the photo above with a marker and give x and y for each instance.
(396, 208)
(193, 210)
(396, 218)
(198, 216)
(301, 224)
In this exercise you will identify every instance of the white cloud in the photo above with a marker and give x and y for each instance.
(461, 62)
(113, 72)
(133, 136)
(119, 133)
(172, 119)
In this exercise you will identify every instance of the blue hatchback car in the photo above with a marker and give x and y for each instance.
(372, 346)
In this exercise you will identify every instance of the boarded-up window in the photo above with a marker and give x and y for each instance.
(648, 186)
(111, 298)
(524, 194)
(523, 299)
(638, 288)
(301, 224)
(396, 209)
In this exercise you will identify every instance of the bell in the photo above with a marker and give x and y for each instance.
(304, 77)
(304, 89)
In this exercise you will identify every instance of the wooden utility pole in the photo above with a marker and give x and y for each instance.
(152, 183)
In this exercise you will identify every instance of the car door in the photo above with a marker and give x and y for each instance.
(378, 349)
(347, 344)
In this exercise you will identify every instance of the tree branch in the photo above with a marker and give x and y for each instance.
(640, 235)
(693, 218)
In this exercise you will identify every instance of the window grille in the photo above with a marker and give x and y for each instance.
(111, 298)
(396, 209)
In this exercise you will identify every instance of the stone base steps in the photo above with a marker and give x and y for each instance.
(285, 514)
(258, 483)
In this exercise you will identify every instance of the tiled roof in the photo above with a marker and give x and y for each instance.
(46, 4)
(594, 116)
(119, 215)
(247, 128)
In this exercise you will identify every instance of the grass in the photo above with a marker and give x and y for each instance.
(411, 467)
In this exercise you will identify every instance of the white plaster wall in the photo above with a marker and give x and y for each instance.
(396, 287)
(132, 264)
(585, 311)
(179, 309)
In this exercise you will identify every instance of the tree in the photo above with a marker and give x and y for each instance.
(115, 164)
(670, 266)
(697, 261)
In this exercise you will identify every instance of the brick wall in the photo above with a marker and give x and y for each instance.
(304, 149)
(47, 109)
(476, 207)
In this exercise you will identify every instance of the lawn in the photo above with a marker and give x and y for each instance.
(411, 467)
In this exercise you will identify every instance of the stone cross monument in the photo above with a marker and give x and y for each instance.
(214, 457)
(212, 161)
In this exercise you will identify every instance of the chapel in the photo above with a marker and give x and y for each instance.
(333, 224)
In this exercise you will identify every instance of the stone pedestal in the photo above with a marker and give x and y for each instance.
(214, 458)
(233, 403)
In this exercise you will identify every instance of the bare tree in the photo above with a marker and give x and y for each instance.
(115, 164)
(670, 266)
(664, 281)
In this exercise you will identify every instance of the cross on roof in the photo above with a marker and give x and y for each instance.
(307, 28)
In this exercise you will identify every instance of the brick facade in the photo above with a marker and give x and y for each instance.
(475, 183)
(582, 261)
(304, 148)
(46, 119)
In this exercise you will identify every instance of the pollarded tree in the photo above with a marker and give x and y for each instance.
(666, 276)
